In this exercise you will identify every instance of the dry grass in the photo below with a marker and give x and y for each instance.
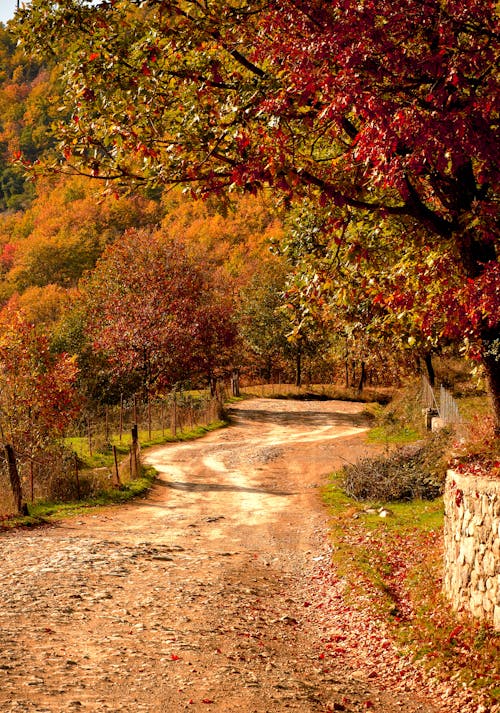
(318, 391)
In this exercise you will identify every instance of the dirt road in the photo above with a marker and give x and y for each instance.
(209, 595)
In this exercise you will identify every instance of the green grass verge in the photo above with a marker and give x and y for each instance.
(394, 435)
(473, 406)
(363, 540)
(393, 569)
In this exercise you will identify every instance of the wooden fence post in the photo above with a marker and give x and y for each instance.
(121, 416)
(134, 467)
(116, 479)
(235, 382)
(106, 424)
(32, 481)
(15, 481)
(89, 429)
(174, 416)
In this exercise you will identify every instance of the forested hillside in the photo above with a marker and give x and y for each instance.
(94, 270)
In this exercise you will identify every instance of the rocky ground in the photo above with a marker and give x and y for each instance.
(215, 593)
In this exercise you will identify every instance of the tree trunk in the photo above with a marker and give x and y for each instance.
(134, 453)
(268, 369)
(431, 375)
(362, 378)
(346, 364)
(298, 367)
(15, 481)
(235, 382)
(491, 361)
(475, 254)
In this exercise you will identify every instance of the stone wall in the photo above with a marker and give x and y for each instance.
(472, 545)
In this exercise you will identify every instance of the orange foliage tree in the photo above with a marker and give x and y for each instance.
(65, 231)
(37, 395)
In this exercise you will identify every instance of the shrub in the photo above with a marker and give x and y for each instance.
(415, 471)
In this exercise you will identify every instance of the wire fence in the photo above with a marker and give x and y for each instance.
(429, 400)
(155, 419)
(448, 407)
(440, 403)
(81, 464)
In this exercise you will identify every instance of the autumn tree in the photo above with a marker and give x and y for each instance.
(26, 113)
(155, 315)
(43, 306)
(264, 324)
(388, 307)
(37, 395)
(386, 109)
(234, 237)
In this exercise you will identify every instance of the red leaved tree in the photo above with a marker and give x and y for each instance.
(155, 315)
(37, 395)
(37, 399)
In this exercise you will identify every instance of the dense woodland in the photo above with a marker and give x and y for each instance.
(187, 191)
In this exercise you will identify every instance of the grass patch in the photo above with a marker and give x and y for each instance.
(394, 435)
(393, 569)
(42, 512)
(400, 421)
(474, 406)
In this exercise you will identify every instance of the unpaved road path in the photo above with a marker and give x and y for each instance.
(206, 596)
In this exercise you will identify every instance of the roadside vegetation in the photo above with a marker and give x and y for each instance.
(392, 566)
(387, 539)
(104, 458)
(44, 512)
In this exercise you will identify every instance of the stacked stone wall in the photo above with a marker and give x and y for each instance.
(472, 546)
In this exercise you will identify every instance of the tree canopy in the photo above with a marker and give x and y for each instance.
(377, 104)
(377, 109)
(37, 398)
(154, 314)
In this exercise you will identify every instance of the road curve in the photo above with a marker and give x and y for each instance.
(205, 596)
